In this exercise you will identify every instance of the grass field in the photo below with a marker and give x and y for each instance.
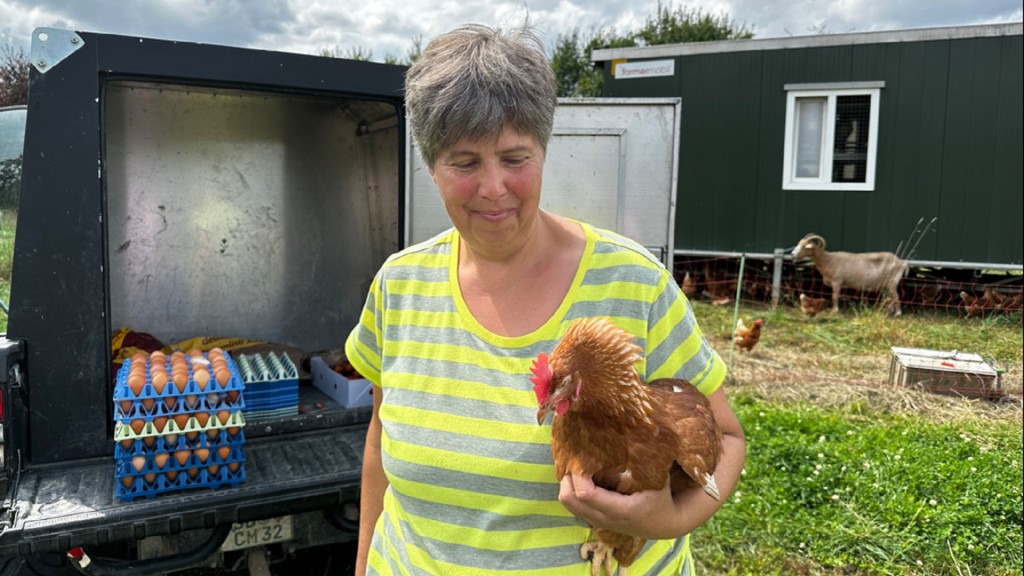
(847, 474)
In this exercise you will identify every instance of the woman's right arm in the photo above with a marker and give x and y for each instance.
(374, 484)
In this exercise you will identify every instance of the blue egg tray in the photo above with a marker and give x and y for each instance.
(149, 404)
(271, 385)
(214, 420)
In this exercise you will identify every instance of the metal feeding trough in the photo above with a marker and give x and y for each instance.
(950, 372)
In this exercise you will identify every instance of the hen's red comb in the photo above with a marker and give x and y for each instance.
(541, 378)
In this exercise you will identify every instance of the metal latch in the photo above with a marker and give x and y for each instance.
(50, 46)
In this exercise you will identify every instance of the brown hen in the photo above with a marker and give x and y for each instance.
(627, 435)
(748, 337)
(811, 306)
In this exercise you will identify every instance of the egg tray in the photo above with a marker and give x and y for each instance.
(174, 405)
(270, 395)
(123, 392)
(139, 487)
(271, 385)
(123, 431)
(152, 445)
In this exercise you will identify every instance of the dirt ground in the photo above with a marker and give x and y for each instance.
(843, 380)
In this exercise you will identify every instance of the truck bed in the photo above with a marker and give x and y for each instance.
(295, 464)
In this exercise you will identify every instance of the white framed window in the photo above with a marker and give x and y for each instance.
(831, 136)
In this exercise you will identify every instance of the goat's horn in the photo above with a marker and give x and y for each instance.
(812, 237)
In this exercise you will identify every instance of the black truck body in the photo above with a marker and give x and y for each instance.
(185, 190)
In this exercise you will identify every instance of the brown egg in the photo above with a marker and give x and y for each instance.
(213, 469)
(159, 422)
(148, 403)
(139, 357)
(182, 456)
(202, 377)
(139, 462)
(232, 396)
(232, 431)
(223, 375)
(127, 443)
(137, 425)
(181, 420)
(159, 381)
(233, 466)
(202, 418)
(171, 475)
(192, 472)
(223, 416)
(216, 351)
(180, 380)
(157, 355)
(127, 481)
(149, 441)
(194, 352)
(191, 400)
(149, 478)
(213, 433)
(224, 452)
(191, 436)
(171, 402)
(126, 407)
(161, 459)
(203, 454)
(136, 381)
(171, 439)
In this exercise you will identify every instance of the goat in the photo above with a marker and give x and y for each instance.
(870, 271)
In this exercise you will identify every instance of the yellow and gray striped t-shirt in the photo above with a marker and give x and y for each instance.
(472, 485)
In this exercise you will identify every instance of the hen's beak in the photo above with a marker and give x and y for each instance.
(542, 415)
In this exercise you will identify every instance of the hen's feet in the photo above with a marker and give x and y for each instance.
(599, 556)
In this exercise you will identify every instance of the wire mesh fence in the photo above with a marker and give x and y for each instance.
(948, 293)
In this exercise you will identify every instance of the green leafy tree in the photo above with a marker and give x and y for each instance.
(13, 76)
(675, 25)
(570, 59)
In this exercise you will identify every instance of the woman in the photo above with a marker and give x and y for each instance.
(457, 475)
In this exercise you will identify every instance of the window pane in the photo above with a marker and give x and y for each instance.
(810, 122)
(850, 147)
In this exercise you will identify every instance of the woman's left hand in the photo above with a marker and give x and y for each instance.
(650, 514)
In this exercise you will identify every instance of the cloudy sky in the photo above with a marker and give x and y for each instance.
(388, 27)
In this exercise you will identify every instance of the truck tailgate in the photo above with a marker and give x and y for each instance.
(58, 507)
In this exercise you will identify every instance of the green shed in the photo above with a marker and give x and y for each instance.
(862, 138)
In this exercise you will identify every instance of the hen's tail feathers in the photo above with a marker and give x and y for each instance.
(711, 487)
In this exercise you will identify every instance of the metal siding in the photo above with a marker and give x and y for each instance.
(913, 159)
(1006, 233)
(719, 151)
(965, 193)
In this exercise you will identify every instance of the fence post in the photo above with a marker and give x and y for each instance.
(777, 276)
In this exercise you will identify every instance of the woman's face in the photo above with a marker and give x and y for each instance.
(491, 190)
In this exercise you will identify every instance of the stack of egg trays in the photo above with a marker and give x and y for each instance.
(160, 435)
(271, 385)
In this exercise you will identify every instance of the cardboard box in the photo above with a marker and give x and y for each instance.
(350, 393)
(944, 372)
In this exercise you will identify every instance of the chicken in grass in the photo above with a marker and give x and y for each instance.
(746, 337)
(811, 306)
(627, 435)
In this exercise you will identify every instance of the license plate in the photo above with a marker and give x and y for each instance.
(258, 533)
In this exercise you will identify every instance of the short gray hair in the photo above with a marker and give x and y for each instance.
(471, 81)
